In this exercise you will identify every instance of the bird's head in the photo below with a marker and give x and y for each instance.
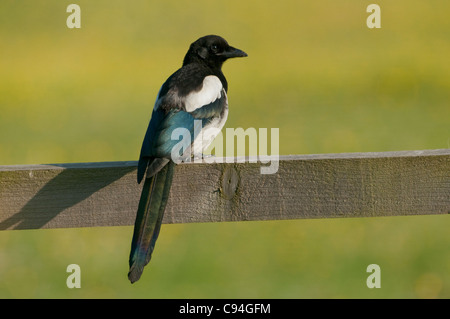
(211, 50)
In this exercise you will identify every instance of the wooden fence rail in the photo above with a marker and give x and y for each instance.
(305, 186)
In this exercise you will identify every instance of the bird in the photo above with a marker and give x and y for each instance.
(194, 94)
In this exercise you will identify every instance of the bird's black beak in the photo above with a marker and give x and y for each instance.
(233, 53)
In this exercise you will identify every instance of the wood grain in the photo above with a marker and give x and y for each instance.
(305, 186)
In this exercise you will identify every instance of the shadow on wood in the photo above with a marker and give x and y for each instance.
(44, 206)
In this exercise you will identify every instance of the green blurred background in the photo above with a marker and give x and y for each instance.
(314, 70)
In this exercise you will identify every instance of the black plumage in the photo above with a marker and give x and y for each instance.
(196, 91)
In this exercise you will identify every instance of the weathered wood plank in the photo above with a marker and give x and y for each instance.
(305, 186)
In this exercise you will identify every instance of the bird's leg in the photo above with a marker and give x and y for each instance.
(201, 156)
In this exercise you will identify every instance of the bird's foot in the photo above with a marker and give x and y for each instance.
(197, 157)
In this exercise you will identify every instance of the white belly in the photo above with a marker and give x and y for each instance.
(209, 133)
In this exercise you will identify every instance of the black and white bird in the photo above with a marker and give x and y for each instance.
(195, 95)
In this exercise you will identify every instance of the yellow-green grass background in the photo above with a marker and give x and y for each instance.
(314, 70)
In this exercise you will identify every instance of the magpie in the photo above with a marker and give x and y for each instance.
(195, 94)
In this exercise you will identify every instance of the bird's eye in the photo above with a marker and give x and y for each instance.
(214, 48)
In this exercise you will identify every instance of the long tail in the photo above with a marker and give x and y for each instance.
(148, 219)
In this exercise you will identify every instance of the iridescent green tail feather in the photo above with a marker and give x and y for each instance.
(152, 204)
